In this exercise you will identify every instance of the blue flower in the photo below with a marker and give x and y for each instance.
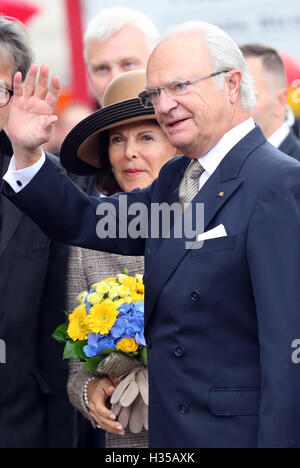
(124, 309)
(97, 344)
(140, 338)
(139, 309)
(119, 328)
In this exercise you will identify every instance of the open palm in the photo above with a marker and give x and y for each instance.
(31, 113)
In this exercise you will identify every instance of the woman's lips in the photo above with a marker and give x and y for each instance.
(133, 172)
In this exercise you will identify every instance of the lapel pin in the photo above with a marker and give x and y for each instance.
(221, 194)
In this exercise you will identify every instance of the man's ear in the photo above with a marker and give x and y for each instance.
(233, 82)
(281, 97)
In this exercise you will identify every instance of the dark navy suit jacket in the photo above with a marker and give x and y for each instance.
(291, 146)
(220, 321)
(34, 408)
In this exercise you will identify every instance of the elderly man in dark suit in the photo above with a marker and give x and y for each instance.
(221, 321)
(266, 67)
(34, 408)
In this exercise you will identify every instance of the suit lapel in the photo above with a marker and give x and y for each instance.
(11, 216)
(225, 181)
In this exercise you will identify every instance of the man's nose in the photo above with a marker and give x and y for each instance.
(115, 72)
(166, 103)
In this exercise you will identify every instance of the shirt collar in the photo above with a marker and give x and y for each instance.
(211, 160)
(280, 135)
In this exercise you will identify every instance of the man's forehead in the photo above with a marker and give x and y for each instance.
(177, 58)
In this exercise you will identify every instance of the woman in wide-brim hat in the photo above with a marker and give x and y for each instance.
(124, 147)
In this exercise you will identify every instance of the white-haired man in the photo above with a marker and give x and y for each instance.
(117, 40)
(222, 321)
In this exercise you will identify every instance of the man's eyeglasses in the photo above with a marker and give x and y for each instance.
(5, 96)
(151, 96)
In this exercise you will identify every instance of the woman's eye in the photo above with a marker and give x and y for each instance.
(115, 140)
(148, 138)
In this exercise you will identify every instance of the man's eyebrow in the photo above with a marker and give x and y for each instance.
(130, 59)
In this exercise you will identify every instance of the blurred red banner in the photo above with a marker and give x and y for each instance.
(18, 9)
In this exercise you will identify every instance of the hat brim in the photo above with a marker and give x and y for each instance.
(84, 148)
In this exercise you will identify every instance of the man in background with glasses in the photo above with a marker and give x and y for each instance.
(221, 320)
(34, 407)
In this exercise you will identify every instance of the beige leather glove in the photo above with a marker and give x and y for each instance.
(116, 365)
(130, 400)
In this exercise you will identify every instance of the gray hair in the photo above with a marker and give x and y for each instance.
(112, 20)
(15, 45)
(224, 54)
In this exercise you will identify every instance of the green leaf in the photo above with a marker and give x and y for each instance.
(93, 363)
(74, 350)
(126, 272)
(144, 356)
(61, 333)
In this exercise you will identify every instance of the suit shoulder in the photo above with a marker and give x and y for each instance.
(269, 158)
(174, 164)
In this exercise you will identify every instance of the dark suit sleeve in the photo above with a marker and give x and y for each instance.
(66, 214)
(274, 262)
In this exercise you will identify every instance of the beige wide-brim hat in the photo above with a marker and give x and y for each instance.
(84, 151)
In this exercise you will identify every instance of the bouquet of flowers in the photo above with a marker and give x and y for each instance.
(106, 332)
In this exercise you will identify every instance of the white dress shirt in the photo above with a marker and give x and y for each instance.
(19, 179)
(280, 135)
(210, 161)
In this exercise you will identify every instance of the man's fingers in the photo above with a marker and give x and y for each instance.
(18, 84)
(54, 92)
(29, 87)
(42, 87)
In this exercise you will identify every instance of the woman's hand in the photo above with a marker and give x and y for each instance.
(99, 391)
(31, 116)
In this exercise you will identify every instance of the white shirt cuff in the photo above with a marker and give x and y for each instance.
(19, 179)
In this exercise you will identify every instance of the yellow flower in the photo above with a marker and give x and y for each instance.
(110, 280)
(121, 278)
(82, 296)
(140, 288)
(139, 278)
(118, 303)
(102, 318)
(95, 298)
(101, 288)
(137, 297)
(78, 327)
(128, 345)
(114, 293)
(130, 282)
(123, 291)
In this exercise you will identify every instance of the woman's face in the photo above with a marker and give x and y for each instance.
(137, 152)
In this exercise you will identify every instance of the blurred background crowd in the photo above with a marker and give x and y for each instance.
(57, 34)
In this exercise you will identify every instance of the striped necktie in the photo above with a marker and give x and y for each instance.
(189, 186)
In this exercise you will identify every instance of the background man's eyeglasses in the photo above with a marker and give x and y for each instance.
(5, 96)
(151, 96)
